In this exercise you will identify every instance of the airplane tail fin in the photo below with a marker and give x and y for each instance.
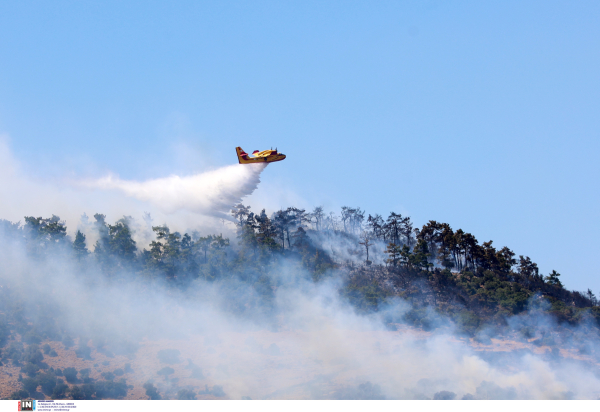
(241, 154)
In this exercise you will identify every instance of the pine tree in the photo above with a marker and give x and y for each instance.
(394, 252)
(79, 246)
(421, 255)
(121, 243)
(552, 279)
(265, 231)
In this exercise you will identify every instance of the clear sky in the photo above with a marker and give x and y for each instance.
(484, 115)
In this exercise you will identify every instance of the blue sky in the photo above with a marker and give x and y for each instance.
(484, 115)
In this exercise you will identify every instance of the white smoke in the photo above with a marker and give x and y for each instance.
(313, 346)
(211, 193)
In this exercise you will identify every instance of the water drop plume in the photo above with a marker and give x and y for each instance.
(211, 193)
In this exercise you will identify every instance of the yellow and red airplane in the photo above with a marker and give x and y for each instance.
(266, 156)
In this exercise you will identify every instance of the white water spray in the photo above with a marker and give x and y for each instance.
(210, 193)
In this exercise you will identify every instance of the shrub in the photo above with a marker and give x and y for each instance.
(109, 376)
(47, 381)
(67, 341)
(84, 352)
(85, 391)
(111, 390)
(32, 354)
(369, 391)
(77, 393)
(14, 352)
(365, 294)
(365, 391)
(4, 333)
(46, 348)
(421, 318)
(467, 321)
(151, 391)
(88, 390)
(30, 385)
(20, 394)
(60, 391)
(127, 368)
(118, 372)
(166, 371)
(218, 391)
(527, 332)
(70, 374)
(32, 337)
(30, 369)
(85, 375)
(186, 395)
(444, 396)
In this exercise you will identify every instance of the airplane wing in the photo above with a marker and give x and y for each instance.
(264, 153)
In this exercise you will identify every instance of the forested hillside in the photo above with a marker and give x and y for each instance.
(433, 265)
(447, 277)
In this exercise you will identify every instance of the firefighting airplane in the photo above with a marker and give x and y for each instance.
(266, 156)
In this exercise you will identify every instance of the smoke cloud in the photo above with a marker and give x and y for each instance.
(265, 331)
(306, 342)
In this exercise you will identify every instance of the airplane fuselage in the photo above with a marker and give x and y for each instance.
(266, 156)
